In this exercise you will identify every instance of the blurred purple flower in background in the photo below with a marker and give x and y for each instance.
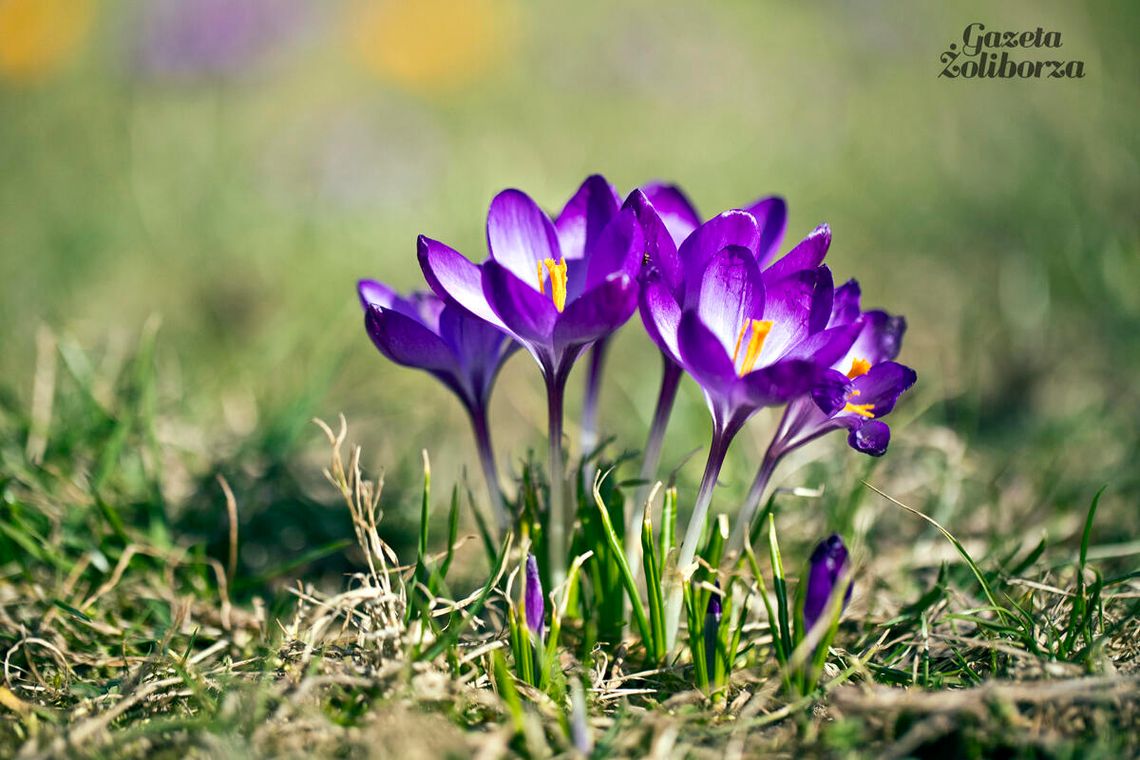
(464, 352)
(825, 569)
(205, 38)
(533, 599)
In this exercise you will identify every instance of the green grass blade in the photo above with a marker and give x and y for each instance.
(452, 532)
(451, 635)
(618, 553)
(1000, 610)
(1087, 533)
(779, 586)
(652, 567)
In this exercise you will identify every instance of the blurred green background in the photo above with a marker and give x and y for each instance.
(232, 168)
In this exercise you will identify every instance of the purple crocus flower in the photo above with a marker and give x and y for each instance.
(827, 564)
(533, 599)
(668, 218)
(580, 225)
(461, 350)
(556, 290)
(876, 382)
(750, 339)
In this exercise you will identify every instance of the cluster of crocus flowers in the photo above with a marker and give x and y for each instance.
(753, 329)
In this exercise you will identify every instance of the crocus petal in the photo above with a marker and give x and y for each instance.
(520, 235)
(822, 299)
(845, 306)
(881, 338)
(729, 294)
(780, 382)
(480, 347)
(585, 215)
(525, 312)
(597, 312)
(829, 393)
(827, 347)
(808, 254)
(828, 562)
(729, 228)
(660, 248)
(405, 341)
(534, 600)
(869, 437)
(661, 315)
(452, 276)
(772, 217)
(674, 208)
(788, 304)
(377, 293)
(703, 355)
(882, 386)
(618, 250)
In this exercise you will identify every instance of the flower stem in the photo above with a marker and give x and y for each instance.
(791, 434)
(490, 472)
(747, 512)
(722, 437)
(556, 518)
(670, 381)
(589, 431)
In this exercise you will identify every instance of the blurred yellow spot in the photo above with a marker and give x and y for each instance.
(431, 44)
(760, 330)
(557, 281)
(38, 36)
(859, 367)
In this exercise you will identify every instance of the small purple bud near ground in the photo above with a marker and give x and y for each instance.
(533, 599)
(713, 615)
(827, 564)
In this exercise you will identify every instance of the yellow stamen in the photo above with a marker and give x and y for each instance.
(557, 271)
(541, 278)
(859, 367)
(863, 410)
(760, 330)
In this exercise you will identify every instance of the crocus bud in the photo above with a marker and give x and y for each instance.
(533, 599)
(712, 629)
(827, 564)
